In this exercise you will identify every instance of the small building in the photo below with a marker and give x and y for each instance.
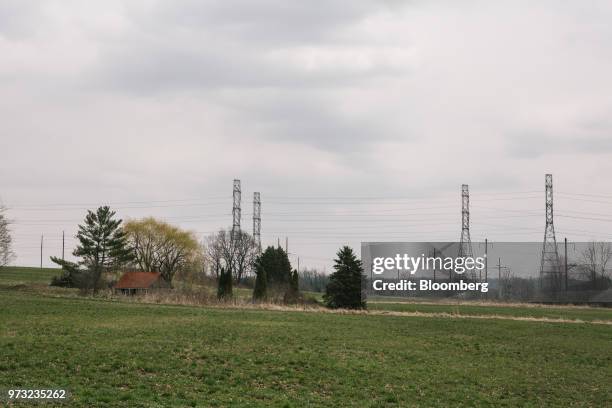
(132, 283)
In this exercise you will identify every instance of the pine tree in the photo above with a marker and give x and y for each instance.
(102, 248)
(260, 292)
(344, 289)
(292, 295)
(277, 266)
(224, 290)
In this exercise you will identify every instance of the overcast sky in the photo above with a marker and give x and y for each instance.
(356, 120)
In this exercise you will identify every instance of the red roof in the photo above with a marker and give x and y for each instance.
(137, 280)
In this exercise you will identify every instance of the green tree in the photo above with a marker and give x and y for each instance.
(277, 266)
(224, 290)
(161, 247)
(102, 248)
(344, 289)
(292, 295)
(260, 292)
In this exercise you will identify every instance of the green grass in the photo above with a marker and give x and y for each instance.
(22, 274)
(572, 313)
(128, 354)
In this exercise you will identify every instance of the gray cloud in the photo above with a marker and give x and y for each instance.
(159, 100)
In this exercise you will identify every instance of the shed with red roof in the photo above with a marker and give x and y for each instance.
(132, 283)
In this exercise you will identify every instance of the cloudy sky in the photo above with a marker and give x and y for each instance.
(356, 120)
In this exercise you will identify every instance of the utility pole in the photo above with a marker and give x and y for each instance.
(499, 281)
(287, 245)
(63, 244)
(486, 261)
(236, 211)
(565, 249)
(434, 256)
(41, 250)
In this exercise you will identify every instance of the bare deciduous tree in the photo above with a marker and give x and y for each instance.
(6, 241)
(595, 259)
(236, 254)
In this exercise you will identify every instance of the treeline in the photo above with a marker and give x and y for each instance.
(312, 280)
(107, 246)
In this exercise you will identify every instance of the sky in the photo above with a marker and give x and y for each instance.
(356, 120)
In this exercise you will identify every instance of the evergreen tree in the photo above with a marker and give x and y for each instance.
(277, 266)
(344, 289)
(224, 290)
(292, 295)
(102, 248)
(260, 292)
(295, 281)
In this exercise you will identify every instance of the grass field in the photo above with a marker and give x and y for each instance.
(526, 311)
(112, 353)
(22, 274)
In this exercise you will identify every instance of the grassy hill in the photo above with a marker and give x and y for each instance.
(110, 353)
(22, 274)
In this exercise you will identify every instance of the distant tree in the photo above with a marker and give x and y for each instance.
(595, 259)
(102, 248)
(260, 292)
(344, 289)
(161, 247)
(224, 290)
(214, 252)
(281, 283)
(237, 254)
(292, 294)
(313, 280)
(6, 241)
(72, 277)
(277, 266)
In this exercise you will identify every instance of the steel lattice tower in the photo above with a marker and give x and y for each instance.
(550, 265)
(257, 220)
(236, 210)
(465, 245)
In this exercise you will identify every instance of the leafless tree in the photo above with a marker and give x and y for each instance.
(214, 251)
(596, 257)
(6, 241)
(236, 254)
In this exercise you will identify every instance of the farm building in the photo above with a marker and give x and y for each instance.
(132, 283)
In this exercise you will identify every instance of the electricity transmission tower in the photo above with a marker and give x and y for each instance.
(236, 210)
(465, 245)
(550, 265)
(257, 220)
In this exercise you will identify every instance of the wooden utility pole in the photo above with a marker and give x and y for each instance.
(63, 244)
(434, 279)
(41, 250)
(499, 282)
(565, 247)
(486, 261)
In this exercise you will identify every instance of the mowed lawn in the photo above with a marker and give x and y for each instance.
(128, 354)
